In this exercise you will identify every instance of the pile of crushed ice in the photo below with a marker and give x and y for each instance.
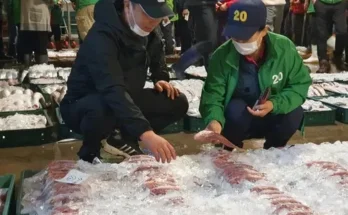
(198, 71)
(46, 74)
(61, 54)
(22, 121)
(192, 88)
(18, 99)
(311, 105)
(115, 189)
(328, 77)
(337, 101)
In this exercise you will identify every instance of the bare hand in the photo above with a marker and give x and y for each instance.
(223, 7)
(159, 147)
(172, 92)
(216, 127)
(261, 110)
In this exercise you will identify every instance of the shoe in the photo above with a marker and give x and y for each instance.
(324, 67)
(314, 56)
(96, 161)
(116, 145)
(339, 64)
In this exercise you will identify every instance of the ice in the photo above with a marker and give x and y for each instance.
(198, 71)
(21, 121)
(311, 105)
(338, 101)
(327, 77)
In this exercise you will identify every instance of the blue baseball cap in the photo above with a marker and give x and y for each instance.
(245, 17)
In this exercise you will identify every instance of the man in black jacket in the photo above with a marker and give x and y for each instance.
(105, 88)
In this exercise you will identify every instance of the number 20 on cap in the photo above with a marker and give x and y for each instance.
(240, 16)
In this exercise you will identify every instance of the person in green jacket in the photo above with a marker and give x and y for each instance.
(167, 29)
(242, 69)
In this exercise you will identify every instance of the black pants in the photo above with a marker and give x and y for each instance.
(297, 21)
(56, 33)
(168, 37)
(183, 33)
(33, 41)
(276, 129)
(328, 15)
(92, 117)
(312, 32)
(288, 25)
(205, 25)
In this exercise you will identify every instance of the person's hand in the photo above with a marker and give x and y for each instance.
(172, 92)
(217, 5)
(223, 7)
(185, 12)
(159, 147)
(261, 110)
(216, 127)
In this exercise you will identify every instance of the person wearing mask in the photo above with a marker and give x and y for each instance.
(84, 16)
(251, 62)
(106, 84)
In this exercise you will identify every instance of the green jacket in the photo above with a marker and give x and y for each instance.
(331, 1)
(171, 3)
(283, 70)
(84, 3)
(311, 7)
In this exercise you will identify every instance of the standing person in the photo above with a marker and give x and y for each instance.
(205, 21)
(182, 29)
(312, 33)
(329, 13)
(222, 13)
(275, 10)
(297, 21)
(167, 28)
(253, 61)
(14, 17)
(3, 56)
(34, 30)
(106, 84)
(84, 16)
(56, 21)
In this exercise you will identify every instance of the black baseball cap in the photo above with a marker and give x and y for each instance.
(155, 8)
(245, 18)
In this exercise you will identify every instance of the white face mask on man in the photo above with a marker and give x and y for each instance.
(246, 48)
(133, 25)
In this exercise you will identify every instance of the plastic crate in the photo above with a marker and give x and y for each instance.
(193, 124)
(341, 113)
(314, 118)
(26, 137)
(7, 182)
(174, 128)
(25, 174)
(63, 131)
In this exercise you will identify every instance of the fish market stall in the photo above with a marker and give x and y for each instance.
(304, 179)
(6, 194)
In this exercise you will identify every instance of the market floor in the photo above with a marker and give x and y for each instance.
(15, 160)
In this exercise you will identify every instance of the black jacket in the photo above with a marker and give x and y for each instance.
(113, 62)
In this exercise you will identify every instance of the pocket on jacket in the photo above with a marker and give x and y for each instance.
(35, 15)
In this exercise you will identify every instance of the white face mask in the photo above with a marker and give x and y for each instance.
(134, 26)
(246, 48)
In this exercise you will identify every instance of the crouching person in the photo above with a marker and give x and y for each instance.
(105, 87)
(242, 69)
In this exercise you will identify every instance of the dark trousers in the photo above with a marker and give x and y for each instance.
(276, 129)
(312, 32)
(183, 33)
(222, 20)
(33, 41)
(13, 38)
(55, 32)
(92, 117)
(205, 25)
(328, 15)
(168, 37)
(297, 21)
(288, 25)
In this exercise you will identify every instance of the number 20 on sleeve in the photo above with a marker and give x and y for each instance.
(240, 16)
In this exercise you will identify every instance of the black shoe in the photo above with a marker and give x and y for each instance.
(116, 145)
(324, 67)
(339, 64)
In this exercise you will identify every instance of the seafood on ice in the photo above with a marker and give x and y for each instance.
(10, 76)
(206, 136)
(197, 71)
(19, 99)
(337, 101)
(47, 81)
(22, 121)
(329, 77)
(311, 105)
(335, 87)
(64, 73)
(58, 94)
(316, 90)
(3, 194)
(61, 54)
(306, 179)
(49, 89)
(46, 74)
(42, 71)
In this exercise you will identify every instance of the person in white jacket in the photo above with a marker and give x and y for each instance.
(275, 10)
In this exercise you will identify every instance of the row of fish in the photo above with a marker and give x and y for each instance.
(316, 90)
(44, 71)
(306, 179)
(337, 101)
(19, 99)
(61, 54)
(311, 105)
(197, 71)
(22, 122)
(329, 77)
(335, 87)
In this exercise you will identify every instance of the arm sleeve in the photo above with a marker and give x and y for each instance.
(295, 91)
(214, 91)
(157, 57)
(108, 78)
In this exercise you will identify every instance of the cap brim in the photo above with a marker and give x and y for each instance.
(238, 32)
(158, 11)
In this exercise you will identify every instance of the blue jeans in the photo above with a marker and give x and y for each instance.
(276, 129)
